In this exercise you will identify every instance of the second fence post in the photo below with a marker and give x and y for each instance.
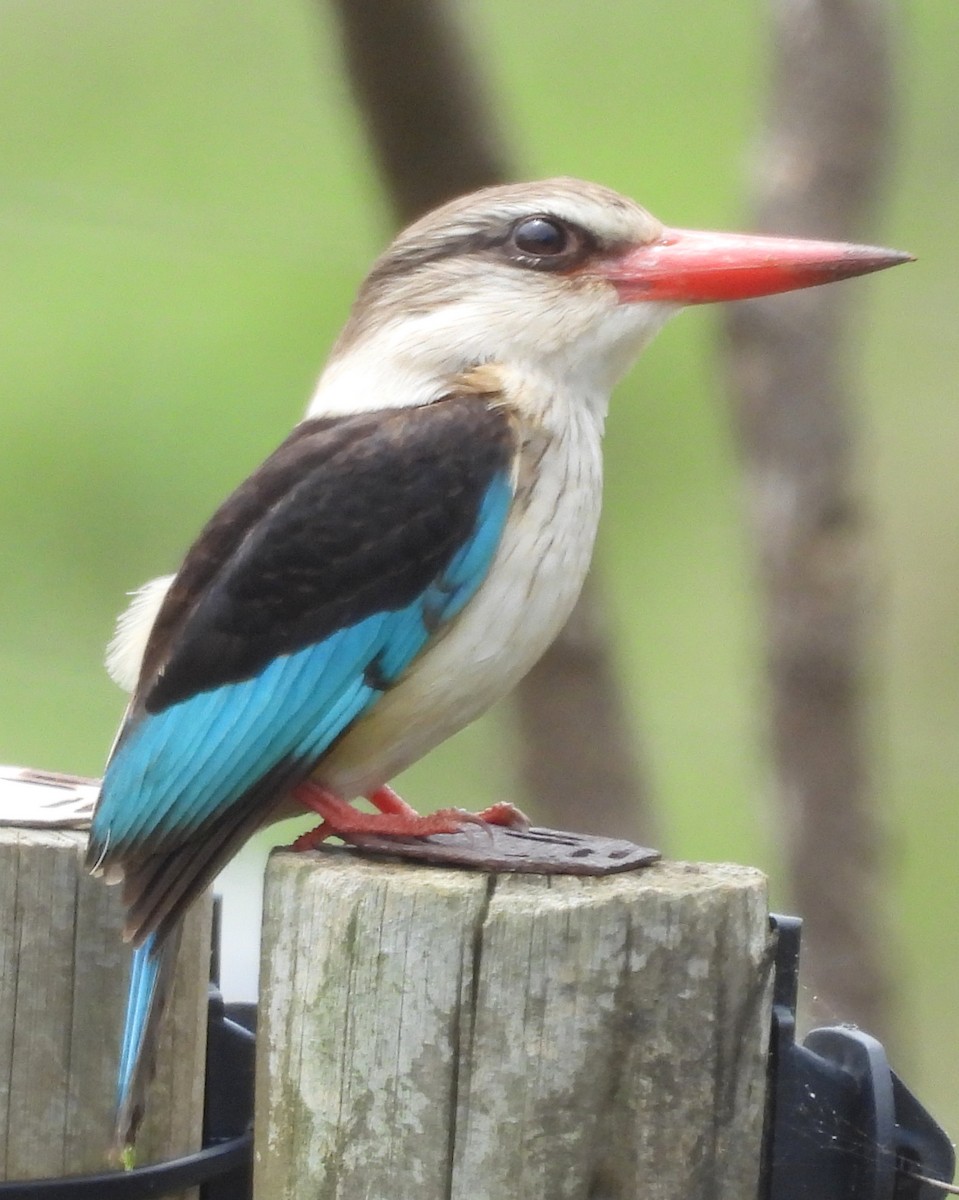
(63, 983)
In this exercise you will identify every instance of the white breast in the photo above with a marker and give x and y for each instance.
(531, 588)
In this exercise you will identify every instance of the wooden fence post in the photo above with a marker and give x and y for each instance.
(428, 1033)
(63, 979)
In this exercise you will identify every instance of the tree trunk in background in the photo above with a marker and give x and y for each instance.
(431, 127)
(423, 99)
(823, 156)
(579, 758)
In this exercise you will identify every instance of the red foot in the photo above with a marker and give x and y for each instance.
(385, 800)
(394, 818)
(312, 838)
(504, 813)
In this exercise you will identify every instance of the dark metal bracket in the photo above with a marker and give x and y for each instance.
(840, 1124)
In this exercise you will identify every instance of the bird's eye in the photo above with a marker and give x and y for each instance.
(541, 237)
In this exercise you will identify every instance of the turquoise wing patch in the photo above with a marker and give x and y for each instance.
(182, 767)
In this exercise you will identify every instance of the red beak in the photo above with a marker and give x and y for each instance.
(689, 267)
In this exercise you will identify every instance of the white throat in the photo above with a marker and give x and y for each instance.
(414, 358)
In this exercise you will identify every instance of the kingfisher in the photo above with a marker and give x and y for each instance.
(406, 554)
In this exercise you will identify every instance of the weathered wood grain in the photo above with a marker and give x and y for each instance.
(63, 978)
(435, 1034)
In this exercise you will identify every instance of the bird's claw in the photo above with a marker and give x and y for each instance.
(502, 814)
(506, 814)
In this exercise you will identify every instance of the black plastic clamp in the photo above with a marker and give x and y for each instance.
(840, 1124)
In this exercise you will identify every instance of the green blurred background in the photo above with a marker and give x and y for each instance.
(186, 207)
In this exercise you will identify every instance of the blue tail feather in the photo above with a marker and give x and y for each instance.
(151, 975)
(143, 979)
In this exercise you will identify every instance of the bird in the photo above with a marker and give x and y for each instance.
(409, 551)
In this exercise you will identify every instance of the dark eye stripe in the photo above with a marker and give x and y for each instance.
(499, 238)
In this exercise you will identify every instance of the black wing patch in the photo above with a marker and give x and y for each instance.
(349, 517)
